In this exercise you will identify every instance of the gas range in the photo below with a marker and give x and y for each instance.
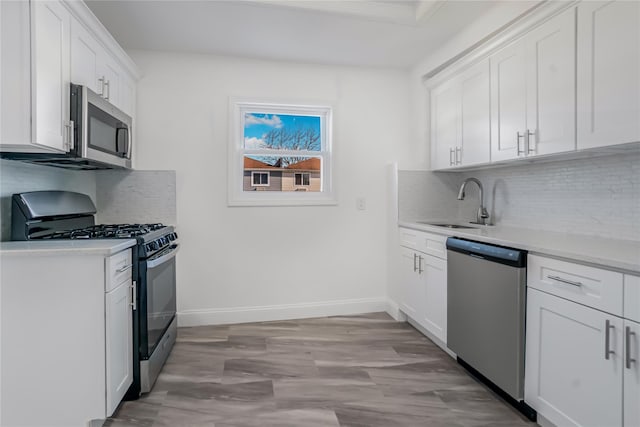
(151, 238)
(45, 215)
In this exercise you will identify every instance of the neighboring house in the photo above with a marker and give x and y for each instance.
(301, 176)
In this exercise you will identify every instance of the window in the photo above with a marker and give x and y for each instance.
(284, 149)
(260, 179)
(302, 179)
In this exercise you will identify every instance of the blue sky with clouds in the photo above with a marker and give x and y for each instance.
(256, 125)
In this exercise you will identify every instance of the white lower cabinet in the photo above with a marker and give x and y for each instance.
(119, 343)
(67, 337)
(423, 288)
(568, 378)
(631, 378)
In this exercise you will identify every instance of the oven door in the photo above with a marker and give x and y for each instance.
(157, 298)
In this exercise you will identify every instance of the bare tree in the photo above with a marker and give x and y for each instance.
(299, 139)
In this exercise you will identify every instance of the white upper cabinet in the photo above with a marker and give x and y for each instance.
(93, 66)
(509, 102)
(460, 111)
(608, 73)
(533, 92)
(445, 125)
(551, 76)
(15, 80)
(85, 57)
(51, 37)
(46, 46)
(475, 115)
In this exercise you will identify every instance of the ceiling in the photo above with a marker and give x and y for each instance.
(348, 32)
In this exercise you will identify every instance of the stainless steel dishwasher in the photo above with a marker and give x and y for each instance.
(486, 314)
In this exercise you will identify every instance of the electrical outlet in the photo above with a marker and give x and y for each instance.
(361, 203)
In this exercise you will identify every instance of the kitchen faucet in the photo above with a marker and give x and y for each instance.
(482, 216)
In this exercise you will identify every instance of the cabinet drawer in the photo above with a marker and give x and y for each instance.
(632, 297)
(428, 243)
(118, 269)
(591, 286)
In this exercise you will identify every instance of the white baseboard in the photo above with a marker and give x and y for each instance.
(393, 310)
(220, 316)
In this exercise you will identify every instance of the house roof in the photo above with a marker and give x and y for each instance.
(312, 164)
(250, 163)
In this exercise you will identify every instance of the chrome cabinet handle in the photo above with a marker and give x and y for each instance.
(627, 357)
(108, 86)
(458, 159)
(530, 134)
(123, 269)
(607, 338)
(568, 282)
(519, 136)
(101, 80)
(414, 262)
(134, 293)
(69, 139)
(420, 270)
(451, 153)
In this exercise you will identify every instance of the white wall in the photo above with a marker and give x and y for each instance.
(258, 263)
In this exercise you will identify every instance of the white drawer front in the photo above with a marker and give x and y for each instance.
(434, 244)
(428, 243)
(632, 297)
(409, 238)
(118, 268)
(593, 287)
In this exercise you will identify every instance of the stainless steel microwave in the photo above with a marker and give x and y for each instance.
(101, 132)
(100, 137)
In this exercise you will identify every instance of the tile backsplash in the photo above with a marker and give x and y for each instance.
(598, 196)
(136, 196)
(121, 196)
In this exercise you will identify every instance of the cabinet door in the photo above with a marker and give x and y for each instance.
(445, 125)
(119, 344)
(15, 81)
(51, 39)
(434, 282)
(127, 95)
(632, 374)
(476, 118)
(508, 102)
(85, 57)
(411, 294)
(110, 72)
(551, 95)
(568, 380)
(608, 73)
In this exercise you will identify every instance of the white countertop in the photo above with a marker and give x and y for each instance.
(104, 247)
(615, 254)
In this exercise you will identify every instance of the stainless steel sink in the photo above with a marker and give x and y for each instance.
(440, 224)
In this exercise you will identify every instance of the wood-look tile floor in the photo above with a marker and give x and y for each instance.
(358, 371)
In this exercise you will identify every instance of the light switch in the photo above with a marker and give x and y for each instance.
(361, 203)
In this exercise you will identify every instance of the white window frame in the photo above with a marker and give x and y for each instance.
(253, 184)
(302, 174)
(238, 108)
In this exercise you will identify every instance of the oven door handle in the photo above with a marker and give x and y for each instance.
(164, 258)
